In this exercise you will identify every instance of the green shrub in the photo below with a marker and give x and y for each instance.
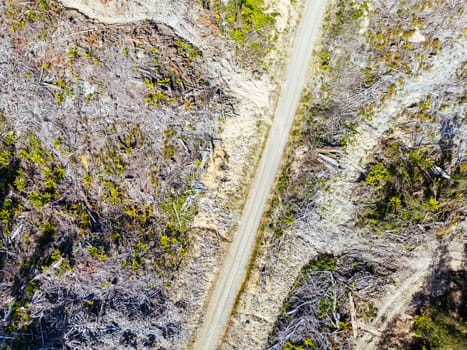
(406, 190)
(248, 25)
(322, 263)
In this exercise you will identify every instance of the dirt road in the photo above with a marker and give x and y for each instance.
(234, 269)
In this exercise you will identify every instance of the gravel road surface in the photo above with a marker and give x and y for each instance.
(235, 266)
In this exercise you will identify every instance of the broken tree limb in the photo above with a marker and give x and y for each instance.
(353, 316)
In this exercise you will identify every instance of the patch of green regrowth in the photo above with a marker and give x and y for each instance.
(248, 25)
(34, 151)
(169, 142)
(59, 261)
(343, 13)
(39, 199)
(112, 193)
(48, 230)
(40, 185)
(321, 263)
(59, 97)
(114, 164)
(154, 95)
(327, 306)
(9, 165)
(139, 254)
(367, 311)
(438, 330)
(293, 190)
(306, 344)
(292, 346)
(319, 300)
(350, 132)
(90, 55)
(80, 213)
(132, 139)
(53, 176)
(21, 13)
(117, 152)
(407, 189)
(179, 211)
(5, 157)
(325, 57)
(186, 48)
(73, 52)
(9, 210)
(98, 252)
(65, 90)
(19, 315)
(440, 320)
(393, 50)
(278, 216)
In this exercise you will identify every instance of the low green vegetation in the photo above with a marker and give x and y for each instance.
(35, 185)
(249, 25)
(154, 95)
(19, 13)
(307, 344)
(92, 182)
(292, 191)
(187, 49)
(408, 188)
(436, 329)
(321, 263)
(166, 79)
(316, 314)
(440, 321)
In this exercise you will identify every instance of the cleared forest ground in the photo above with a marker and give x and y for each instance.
(375, 185)
(105, 131)
(124, 149)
